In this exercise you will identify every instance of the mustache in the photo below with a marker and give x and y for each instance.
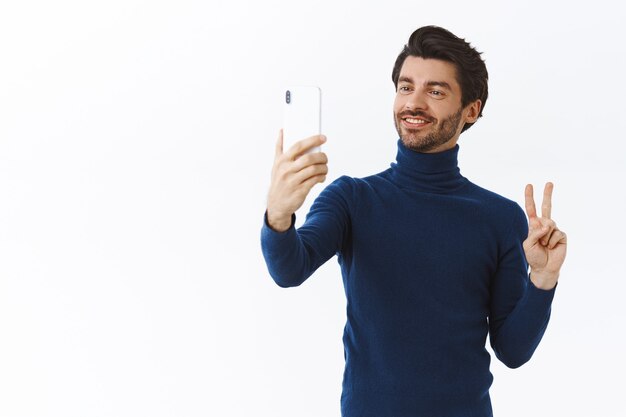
(418, 114)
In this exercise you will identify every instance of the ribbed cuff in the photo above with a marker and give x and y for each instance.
(266, 224)
(545, 295)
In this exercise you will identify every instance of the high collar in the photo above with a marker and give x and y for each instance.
(429, 172)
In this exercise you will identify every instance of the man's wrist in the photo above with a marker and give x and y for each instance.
(544, 281)
(278, 223)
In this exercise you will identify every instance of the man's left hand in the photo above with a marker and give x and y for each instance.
(545, 246)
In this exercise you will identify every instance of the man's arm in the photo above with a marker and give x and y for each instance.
(519, 311)
(293, 255)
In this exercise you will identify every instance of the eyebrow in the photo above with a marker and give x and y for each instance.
(428, 83)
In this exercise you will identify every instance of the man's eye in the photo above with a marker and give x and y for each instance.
(402, 88)
(437, 93)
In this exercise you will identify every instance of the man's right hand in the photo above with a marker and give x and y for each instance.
(293, 175)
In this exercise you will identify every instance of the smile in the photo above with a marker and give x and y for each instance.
(414, 123)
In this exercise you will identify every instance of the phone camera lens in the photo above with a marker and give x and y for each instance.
(288, 97)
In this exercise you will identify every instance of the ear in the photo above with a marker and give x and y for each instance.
(472, 111)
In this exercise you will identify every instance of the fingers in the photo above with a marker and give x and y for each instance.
(294, 173)
(546, 205)
(541, 230)
(556, 238)
(531, 211)
(309, 183)
(310, 171)
(279, 144)
(309, 159)
(303, 145)
(534, 235)
(551, 227)
(299, 168)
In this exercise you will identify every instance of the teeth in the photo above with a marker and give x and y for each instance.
(416, 121)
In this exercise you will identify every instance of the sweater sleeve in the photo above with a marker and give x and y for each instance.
(293, 255)
(519, 311)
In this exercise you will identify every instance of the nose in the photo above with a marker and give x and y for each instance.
(416, 101)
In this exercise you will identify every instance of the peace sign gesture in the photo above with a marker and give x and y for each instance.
(545, 246)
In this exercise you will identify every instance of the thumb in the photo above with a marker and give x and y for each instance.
(279, 144)
(537, 233)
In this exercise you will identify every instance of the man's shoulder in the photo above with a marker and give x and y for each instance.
(355, 183)
(492, 200)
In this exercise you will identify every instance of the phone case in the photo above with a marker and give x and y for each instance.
(302, 115)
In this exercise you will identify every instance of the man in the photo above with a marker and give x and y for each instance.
(431, 262)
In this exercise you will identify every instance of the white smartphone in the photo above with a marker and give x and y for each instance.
(302, 115)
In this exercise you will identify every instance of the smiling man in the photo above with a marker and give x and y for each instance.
(431, 263)
(427, 109)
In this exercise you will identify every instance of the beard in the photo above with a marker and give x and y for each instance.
(440, 132)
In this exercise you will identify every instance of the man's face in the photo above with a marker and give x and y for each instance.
(427, 109)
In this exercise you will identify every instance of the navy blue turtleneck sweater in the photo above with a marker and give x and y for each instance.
(431, 264)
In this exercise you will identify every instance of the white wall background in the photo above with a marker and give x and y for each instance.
(136, 144)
